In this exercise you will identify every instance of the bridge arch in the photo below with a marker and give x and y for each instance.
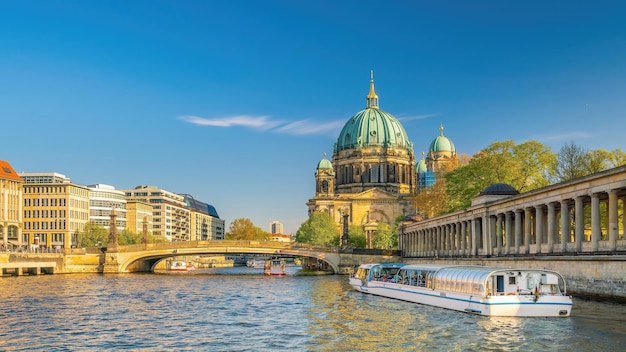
(143, 258)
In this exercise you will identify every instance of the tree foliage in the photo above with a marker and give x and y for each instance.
(357, 236)
(93, 235)
(242, 229)
(432, 201)
(320, 229)
(574, 161)
(384, 237)
(128, 237)
(524, 166)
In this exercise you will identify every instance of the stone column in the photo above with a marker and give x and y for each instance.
(507, 232)
(527, 229)
(538, 227)
(579, 218)
(427, 242)
(595, 221)
(498, 230)
(487, 233)
(624, 218)
(565, 227)
(473, 235)
(442, 240)
(551, 226)
(451, 241)
(518, 230)
(463, 237)
(458, 239)
(613, 231)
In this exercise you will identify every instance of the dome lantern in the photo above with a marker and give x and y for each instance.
(372, 98)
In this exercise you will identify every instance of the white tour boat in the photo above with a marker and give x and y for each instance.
(256, 263)
(473, 289)
(181, 266)
(275, 267)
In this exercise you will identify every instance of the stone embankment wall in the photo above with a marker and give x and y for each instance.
(597, 277)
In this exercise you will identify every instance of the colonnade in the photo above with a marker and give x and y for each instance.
(581, 216)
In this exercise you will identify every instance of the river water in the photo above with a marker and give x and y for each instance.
(240, 309)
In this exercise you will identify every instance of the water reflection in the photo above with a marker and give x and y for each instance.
(241, 310)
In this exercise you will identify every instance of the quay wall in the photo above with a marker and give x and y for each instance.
(18, 263)
(596, 277)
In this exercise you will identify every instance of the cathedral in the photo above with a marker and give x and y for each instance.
(372, 175)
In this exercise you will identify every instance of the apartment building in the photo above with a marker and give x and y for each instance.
(10, 206)
(205, 223)
(55, 210)
(170, 216)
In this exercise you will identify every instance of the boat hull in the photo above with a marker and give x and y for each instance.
(527, 304)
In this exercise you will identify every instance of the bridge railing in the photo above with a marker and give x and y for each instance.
(223, 243)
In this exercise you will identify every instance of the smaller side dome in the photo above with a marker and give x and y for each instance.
(499, 189)
(441, 143)
(325, 163)
(421, 165)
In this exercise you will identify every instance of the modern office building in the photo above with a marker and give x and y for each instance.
(276, 227)
(103, 200)
(205, 222)
(11, 188)
(138, 213)
(55, 210)
(170, 216)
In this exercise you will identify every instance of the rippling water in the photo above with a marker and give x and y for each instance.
(240, 309)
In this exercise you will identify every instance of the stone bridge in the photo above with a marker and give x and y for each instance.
(144, 257)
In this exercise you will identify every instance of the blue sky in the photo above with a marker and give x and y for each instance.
(235, 102)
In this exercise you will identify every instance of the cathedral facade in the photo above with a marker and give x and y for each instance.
(371, 176)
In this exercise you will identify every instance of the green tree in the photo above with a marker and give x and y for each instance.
(357, 236)
(570, 162)
(384, 237)
(432, 201)
(575, 161)
(524, 166)
(241, 229)
(617, 158)
(93, 235)
(128, 237)
(319, 228)
(261, 235)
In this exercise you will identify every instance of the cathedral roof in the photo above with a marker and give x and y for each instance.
(441, 143)
(372, 127)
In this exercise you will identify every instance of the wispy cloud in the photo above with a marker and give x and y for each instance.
(265, 123)
(563, 136)
(303, 127)
(416, 117)
(258, 122)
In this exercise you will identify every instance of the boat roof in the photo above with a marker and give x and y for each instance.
(483, 270)
(384, 265)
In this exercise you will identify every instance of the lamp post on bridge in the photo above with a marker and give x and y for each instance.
(345, 237)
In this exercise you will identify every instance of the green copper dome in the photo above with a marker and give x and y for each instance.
(420, 166)
(372, 127)
(325, 163)
(441, 143)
